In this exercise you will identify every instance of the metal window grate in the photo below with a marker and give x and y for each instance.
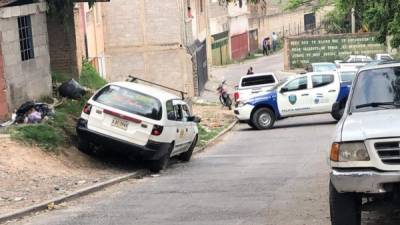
(25, 37)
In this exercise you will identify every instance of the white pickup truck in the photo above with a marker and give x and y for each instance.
(365, 153)
(305, 94)
(253, 84)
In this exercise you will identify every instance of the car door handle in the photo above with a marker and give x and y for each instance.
(305, 95)
(332, 90)
(186, 130)
(177, 130)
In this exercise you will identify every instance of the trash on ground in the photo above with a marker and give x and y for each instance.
(31, 112)
(71, 89)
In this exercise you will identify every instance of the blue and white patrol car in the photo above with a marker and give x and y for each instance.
(305, 94)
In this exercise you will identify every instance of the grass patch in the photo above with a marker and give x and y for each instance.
(206, 135)
(60, 77)
(90, 78)
(43, 135)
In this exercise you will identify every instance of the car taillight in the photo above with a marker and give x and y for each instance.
(236, 96)
(87, 109)
(157, 130)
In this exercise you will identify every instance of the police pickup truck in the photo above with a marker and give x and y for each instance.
(305, 94)
(365, 152)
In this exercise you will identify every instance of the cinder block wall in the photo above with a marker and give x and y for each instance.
(30, 79)
(143, 38)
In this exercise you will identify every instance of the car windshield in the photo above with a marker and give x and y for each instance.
(347, 76)
(376, 89)
(130, 101)
(324, 67)
(282, 81)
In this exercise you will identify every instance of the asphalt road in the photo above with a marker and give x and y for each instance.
(272, 177)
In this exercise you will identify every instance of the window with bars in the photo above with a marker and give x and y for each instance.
(25, 37)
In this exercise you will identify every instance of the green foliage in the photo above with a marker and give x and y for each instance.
(44, 135)
(376, 16)
(90, 78)
(60, 77)
(63, 9)
(206, 135)
(335, 22)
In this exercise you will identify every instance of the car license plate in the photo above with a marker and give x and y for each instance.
(121, 124)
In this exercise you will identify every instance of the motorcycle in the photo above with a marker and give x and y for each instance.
(224, 97)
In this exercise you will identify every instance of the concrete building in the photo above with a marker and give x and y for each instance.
(219, 50)
(239, 27)
(159, 41)
(24, 54)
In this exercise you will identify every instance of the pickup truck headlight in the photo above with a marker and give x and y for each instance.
(349, 151)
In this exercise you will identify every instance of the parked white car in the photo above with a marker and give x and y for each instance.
(253, 84)
(383, 57)
(365, 153)
(353, 62)
(138, 120)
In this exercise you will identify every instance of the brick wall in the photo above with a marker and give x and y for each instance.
(62, 46)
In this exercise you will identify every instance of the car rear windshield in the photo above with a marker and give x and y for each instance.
(130, 101)
(376, 89)
(258, 80)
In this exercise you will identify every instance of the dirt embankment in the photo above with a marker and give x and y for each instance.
(29, 175)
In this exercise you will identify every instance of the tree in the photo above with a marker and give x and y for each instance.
(63, 9)
(381, 16)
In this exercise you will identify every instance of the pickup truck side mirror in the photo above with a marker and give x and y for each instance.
(194, 119)
(283, 90)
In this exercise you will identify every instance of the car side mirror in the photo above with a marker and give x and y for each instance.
(194, 119)
(283, 90)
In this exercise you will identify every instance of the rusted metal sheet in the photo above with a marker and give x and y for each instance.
(240, 46)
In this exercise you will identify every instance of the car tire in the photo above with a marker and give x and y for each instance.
(251, 125)
(263, 119)
(345, 208)
(85, 146)
(186, 156)
(161, 163)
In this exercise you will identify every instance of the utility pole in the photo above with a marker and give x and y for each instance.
(353, 21)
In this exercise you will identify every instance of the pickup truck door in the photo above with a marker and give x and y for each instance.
(294, 98)
(324, 92)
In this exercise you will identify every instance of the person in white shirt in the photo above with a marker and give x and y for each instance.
(274, 41)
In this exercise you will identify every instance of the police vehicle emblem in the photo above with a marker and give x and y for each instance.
(292, 99)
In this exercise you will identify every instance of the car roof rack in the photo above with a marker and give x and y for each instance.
(134, 79)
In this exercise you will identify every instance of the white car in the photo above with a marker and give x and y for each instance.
(306, 94)
(254, 84)
(353, 62)
(383, 57)
(138, 120)
(365, 153)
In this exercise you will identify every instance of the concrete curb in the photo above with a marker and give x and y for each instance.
(212, 141)
(85, 191)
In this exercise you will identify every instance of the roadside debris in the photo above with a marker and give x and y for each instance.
(71, 89)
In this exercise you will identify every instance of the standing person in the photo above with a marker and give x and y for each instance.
(274, 41)
(265, 47)
(268, 46)
(250, 71)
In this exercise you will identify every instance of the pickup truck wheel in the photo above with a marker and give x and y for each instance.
(162, 163)
(345, 208)
(188, 154)
(251, 125)
(263, 119)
